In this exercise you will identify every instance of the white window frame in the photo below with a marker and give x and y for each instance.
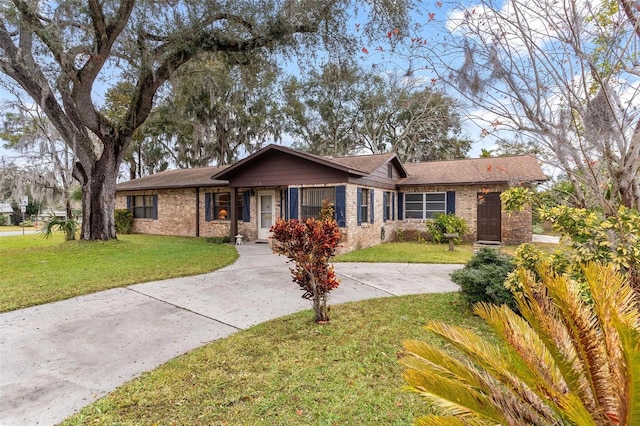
(425, 211)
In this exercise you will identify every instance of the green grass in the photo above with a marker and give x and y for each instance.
(37, 270)
(409, 252)
(290, 371)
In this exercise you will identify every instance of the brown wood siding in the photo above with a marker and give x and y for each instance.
(378, 179)
(277, 169)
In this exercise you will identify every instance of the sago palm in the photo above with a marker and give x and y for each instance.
(572, 358)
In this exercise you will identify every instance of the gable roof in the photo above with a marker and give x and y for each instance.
(179, 178)
(523, 168)
(359, 165)
(370, 163)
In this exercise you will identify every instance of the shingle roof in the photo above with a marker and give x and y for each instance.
(366, 163)
(179, 178)
(474, 170)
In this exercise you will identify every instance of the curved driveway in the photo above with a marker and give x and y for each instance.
(57, 358)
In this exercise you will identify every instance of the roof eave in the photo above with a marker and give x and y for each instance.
(484, 182)
(190, 185)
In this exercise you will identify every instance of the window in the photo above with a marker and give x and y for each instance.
(221, 202)
(144, 206)
(218, 207)
(364, 206)
(312, 200)
(424, 205)
(387, 205)
(390, 171)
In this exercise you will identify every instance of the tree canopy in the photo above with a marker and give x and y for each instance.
(64, 54)
(343, 109)
(565, 80)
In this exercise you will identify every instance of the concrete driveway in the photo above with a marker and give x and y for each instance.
(57, 358)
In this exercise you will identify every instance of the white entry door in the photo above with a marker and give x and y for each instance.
(266, 213)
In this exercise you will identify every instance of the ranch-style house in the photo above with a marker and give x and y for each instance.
(374, 196)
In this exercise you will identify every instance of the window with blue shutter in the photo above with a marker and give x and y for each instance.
(293, 203)
(246, 206)
(155, 207)
(385, 206)
(341, 206)
(359, 206)
(400, 205)
(207, 207)
(393, 206)
(144, 206)
(451, 202)
(371, 207)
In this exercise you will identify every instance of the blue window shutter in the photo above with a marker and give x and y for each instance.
(281, 203)
(246, 206)
(451, 202)
(359, 206)
(207, 206)
(393, 206)
(371, 207)
(155, 206)
(129, 203)
(293, 203)
(400, 205)
(384, 206)
(341, 205)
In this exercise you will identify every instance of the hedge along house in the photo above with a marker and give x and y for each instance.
(374, 196)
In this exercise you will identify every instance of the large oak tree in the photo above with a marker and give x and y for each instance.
(65, 53)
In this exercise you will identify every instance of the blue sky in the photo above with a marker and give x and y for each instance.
(431, 16)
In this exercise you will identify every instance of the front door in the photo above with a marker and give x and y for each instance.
(266, 213)
(489, 216)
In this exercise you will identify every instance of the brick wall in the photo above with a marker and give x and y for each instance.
(177, 216)
(516, 228)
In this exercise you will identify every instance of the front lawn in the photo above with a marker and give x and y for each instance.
(409, 252)
(37, 270)
(289, 371)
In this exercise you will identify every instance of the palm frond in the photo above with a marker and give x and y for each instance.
(505, 367)
(419, 354)
(453, 397)
(584, 330)
(538, 309)
(616, 307)
(442, 421)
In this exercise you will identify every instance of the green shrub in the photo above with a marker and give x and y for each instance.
(446, 224)
(3, 220)
(124, 221)
(68, 226)
(218, 240)
(483, 278)
(26, 224)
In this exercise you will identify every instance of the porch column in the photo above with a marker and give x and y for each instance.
(233, 206)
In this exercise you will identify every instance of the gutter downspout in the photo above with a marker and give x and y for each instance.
(197, 212)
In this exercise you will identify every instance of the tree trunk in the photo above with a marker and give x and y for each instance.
(98, 182)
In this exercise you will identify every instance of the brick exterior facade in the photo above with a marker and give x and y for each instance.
(183, 195)
(177, 216)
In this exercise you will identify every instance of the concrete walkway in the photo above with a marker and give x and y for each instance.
(57, 358)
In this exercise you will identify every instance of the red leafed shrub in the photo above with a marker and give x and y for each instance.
(310, 243)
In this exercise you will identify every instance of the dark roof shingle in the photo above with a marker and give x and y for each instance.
(179, 178)
(474, 170)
